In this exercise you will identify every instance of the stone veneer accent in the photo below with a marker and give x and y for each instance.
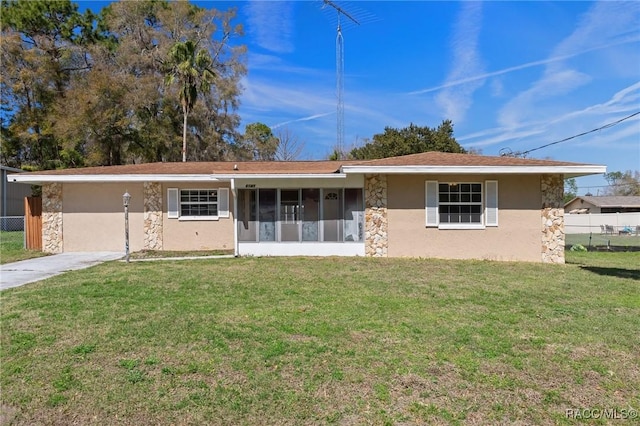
(552, 187)
(375, 196)
(52, 218)
(152, 216)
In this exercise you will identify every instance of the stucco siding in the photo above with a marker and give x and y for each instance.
(517, 236)
(199, 234)
(93, 216)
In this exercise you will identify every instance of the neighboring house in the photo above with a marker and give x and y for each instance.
(423, 205)
(605, 204)
(11, 200)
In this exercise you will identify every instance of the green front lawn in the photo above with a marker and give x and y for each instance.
(12, 247)
(324, 341)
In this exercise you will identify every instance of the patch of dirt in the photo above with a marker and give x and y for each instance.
(7, 414)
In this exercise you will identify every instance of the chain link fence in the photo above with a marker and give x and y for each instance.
(624, 239)
(603, 231)
(12, 228)
(12, 223)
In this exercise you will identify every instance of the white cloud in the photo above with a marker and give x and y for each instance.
(621, 104)
(633, 38)
(552, 85)
(456, 99)
(270, 23)
(605, 23)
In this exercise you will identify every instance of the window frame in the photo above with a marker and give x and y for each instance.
(175, 203)
(460, 203)
(182, 203)
(488, 205)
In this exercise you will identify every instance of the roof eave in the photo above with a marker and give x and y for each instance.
(568, 171)
(110, 178)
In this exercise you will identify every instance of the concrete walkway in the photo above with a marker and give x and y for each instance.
(27, 271)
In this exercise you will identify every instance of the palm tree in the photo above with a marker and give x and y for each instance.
(191, 68)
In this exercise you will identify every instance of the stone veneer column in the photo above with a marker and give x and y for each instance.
(52, 218)
(552, 187)
(375, 194)
(152, 193)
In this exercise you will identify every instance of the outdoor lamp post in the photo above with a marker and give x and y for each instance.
(126, 197)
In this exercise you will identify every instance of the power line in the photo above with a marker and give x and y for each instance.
(606, 186)
(506, 152)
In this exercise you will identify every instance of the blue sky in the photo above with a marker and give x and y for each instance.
(510, 75)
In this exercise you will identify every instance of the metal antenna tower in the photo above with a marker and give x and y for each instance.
(340, 74)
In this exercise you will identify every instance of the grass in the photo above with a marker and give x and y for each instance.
(324, 341)
(12, 247)
(602, 240)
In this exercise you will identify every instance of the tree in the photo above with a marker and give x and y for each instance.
(190, 66)
(623, 183)
(570, 189)
(258, 143)
(409, 140)
(80, 89)
(43, 47)
(289, 146)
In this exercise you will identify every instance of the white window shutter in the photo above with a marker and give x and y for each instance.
(223, 202)
(173, 210)
(431, 202)
(491, 203)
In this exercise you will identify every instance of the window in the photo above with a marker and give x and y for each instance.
(461, 205)
(460, 202)
(197, 204)
(301, 215)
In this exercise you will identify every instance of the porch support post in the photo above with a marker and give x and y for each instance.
(236, 247)
(375, 193)
(52, 239)
(552, 215)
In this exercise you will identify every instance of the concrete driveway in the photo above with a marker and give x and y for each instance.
(27, 271)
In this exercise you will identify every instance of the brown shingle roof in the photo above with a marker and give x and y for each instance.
(302, 167)
(451, 159)
(206, 168)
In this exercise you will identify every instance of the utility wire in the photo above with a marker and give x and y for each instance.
(606, 126)
(606, 186)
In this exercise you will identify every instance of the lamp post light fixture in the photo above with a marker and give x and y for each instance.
(126, 197)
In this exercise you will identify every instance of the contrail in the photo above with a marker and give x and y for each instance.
(311, 117)
(519, 67)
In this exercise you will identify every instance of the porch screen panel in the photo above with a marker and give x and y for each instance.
(247, 215)
(310, 214)
(267, 214)
(289, 215)
(331, 214)
(353, 214)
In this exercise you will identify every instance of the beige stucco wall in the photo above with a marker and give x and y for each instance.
(93, 216)
(517, 236)
(197, 235)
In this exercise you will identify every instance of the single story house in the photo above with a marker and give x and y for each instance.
(422, 205)
(603, 204)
